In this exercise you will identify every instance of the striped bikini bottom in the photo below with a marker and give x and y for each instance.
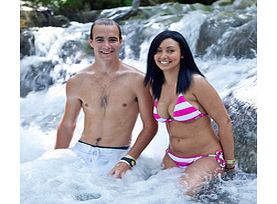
(184, 162)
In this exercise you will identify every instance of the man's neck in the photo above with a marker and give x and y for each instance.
(107, 66)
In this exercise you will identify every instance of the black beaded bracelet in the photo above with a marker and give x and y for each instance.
(130, 161)
(232, 167)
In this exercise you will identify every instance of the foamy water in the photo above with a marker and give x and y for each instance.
(57, 176)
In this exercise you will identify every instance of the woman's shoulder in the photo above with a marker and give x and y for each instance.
(200, 84)
(197, 78)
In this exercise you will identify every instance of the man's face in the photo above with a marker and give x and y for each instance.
(105, 42)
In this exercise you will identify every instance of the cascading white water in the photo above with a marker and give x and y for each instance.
(49, 176)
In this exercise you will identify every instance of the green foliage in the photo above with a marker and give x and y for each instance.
(54, 3)
(127, 2)
(73, 3)
(106, 4)
(59, 4)
(79, 4)
(69, 6)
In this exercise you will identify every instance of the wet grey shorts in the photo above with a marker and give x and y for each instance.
(99, 158)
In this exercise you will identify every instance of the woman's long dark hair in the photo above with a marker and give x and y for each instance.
(154, 75)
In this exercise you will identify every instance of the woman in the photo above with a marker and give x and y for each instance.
(187, 103)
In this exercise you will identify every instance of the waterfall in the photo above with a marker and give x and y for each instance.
(223, 41)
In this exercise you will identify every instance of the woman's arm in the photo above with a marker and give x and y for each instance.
(209, 99)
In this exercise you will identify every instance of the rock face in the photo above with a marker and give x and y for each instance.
(235, 44)
(26, 44)
(245, 133)
(243, 112)
(36, 77)
(34, 18)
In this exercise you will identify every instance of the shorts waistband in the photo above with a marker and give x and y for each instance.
(123, 147)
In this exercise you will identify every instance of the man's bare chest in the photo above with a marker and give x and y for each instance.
(106, 94)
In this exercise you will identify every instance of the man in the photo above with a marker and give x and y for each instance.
(111, 95)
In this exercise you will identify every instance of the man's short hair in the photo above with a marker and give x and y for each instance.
(107, 22)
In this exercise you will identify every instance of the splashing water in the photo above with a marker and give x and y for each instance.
(57, 176)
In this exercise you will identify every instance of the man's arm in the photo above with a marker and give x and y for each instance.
(67, 125)
(145, 103)
(150, 125)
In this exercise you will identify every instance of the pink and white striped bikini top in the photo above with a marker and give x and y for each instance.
(183, 111)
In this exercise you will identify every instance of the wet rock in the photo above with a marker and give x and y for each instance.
(240, 41)
(36, 77)
(26, 44)
(244, 119)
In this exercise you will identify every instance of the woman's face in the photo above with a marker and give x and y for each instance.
(168, 55)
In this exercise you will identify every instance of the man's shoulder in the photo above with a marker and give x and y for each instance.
(82, 74)
(79, 77)
(133, 71)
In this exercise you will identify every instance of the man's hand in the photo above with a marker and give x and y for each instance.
(119, 169)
